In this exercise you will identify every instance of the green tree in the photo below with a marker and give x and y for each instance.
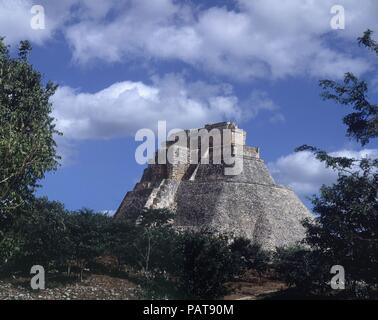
(120, 244)
(306, 270)
(10, 248)
(205, 263)
(345, 231)
(27, 147)
(88, 237)
(43, 235)
(250, 256)
(154, 241)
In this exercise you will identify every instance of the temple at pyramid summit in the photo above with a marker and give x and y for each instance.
(244, 202)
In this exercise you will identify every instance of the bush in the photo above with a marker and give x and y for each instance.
(147, 244)
(121, 234)
(248, 255)
(39, 235)
(302, 268)
(190, 264)
(44, 233)
(88, 237)
(204, 263)
(9, 248)
(9, 241)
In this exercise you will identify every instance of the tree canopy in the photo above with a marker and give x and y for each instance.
(27, 146)
(345, 231)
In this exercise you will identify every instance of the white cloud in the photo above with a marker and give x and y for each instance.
(16, 16)
(125, 107)
(302, 172)
(15, 19)
(258, 39)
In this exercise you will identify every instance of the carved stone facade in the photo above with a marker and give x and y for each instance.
(248, 204)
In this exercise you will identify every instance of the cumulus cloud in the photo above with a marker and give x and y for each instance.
(255, 39)
(302, 172)
(16, 17)
(125, 107)
(248, 39)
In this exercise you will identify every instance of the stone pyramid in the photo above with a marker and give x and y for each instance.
(248, 204)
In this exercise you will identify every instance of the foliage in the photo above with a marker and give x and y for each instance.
(363, 122)
(10, 246)
(205, 263)
(180, 264)
(184, 264)
(43, 233)
(305, 269)
(145, 244)
(27, 147)
(87, 236)
(154, 242)
(345, 229)
(249, 255)
(367, 41)
(121, 234)
(9, 241)
(46, 234)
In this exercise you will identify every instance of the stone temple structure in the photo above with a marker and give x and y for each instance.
(248, 203)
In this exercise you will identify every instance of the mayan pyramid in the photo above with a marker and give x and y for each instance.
(248, 203)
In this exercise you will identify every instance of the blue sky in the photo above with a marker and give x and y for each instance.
(124, 65)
